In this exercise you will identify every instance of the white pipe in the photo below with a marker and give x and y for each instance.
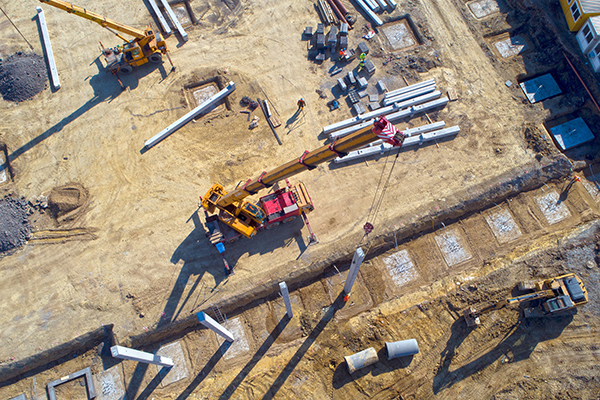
(411, 141)
(406, 96)
(373, 5)
(154, 140)
(126, 353)
(174, 19)
(392, 117)
(419, 100)
(48, 48)
(392, 3)
(161, 18)
(371, 14)
(381, 4)
(409, 88)
(267, 108)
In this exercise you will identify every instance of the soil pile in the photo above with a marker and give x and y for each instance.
(22, 76)
(14, 225)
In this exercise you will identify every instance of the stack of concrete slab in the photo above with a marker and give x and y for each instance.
(406, 103)
(414, 139)
(352, 125)
(409, 92)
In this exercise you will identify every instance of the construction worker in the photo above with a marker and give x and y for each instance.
(361, 64)
(301, 104)
(342, 54)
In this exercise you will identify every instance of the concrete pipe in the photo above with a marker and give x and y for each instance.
(361, 359)
(401, 348)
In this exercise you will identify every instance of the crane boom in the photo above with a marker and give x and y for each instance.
(89, 15)
(246, 217)
(307, 161)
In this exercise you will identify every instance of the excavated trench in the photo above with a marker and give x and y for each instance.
(465, 203)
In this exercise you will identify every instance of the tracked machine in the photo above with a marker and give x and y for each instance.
(555, 297)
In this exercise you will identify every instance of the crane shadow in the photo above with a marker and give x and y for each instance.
(235, 383)
(328, 315)
(106, 88)
(520, 342)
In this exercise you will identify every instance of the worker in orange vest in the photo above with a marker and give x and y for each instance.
(301, 104)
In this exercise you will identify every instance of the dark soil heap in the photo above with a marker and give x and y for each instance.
(22, 76)
(14, 225)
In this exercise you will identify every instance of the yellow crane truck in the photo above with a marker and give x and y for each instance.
(147, 45)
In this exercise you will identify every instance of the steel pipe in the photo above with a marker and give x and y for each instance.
(369, 12)
(409, 88)
(401, 348)
(48, 47)
(406, 96)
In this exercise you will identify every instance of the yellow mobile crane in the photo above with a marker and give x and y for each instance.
(235, 216)
(558, 294)
(147, 45)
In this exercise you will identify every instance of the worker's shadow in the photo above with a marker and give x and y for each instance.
(517, 345)
(295, 121)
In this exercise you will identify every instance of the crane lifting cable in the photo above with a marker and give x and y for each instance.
(386, 131)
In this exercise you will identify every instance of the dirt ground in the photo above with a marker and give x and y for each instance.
(124, 242)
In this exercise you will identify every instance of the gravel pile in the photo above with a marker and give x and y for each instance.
(14, 225)
(22, 76)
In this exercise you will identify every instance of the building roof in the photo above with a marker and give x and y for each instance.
(589, 6)
(595, 23)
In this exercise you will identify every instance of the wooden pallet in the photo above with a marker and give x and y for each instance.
(274, 121)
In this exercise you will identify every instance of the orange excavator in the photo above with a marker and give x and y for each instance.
(146, 45)
(557, 295)
(229, 215)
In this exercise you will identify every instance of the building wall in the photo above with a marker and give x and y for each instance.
(574, 26)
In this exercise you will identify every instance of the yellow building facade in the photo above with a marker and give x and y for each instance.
(578, 11)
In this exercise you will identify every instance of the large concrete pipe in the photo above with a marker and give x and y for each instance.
(401, 348)
(361, 359)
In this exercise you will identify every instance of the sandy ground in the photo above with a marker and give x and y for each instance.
(147, 262)
(506, 357)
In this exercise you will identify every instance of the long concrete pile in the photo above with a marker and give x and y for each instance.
(420, 97)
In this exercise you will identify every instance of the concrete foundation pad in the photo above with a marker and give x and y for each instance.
(503, 225)
(109, 384)
(551, 208)
(453, 247)
(592, 185)
(572, 133)
(399, 35)
(203, 93)
(180, 370)
(360, 298)
(540, 88)
(483, 8)
(400, 267)
(293, 329)
(240, 345)
(511, 46)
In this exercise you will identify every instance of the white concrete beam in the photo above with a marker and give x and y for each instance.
(407, 96)
(48, 48)
(285, 293)
(141, 356)
(357, 260)
(214, 326)
(174, 19)
(409, 88)
(370, 12)
(411, 141)
(161, 18)
(154, 140)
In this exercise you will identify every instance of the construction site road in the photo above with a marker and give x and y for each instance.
(145, 262)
